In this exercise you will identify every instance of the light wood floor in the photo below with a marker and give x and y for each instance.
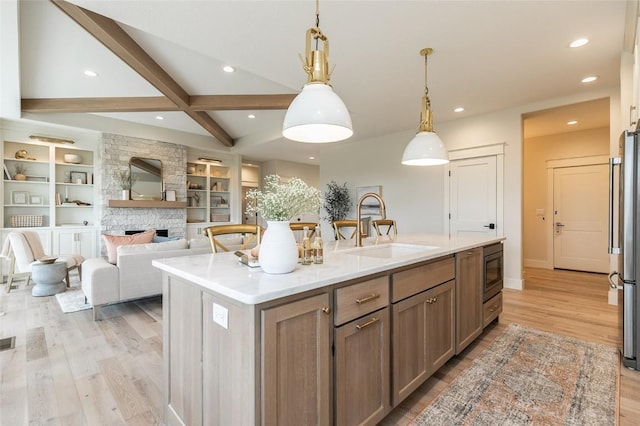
(68, 370)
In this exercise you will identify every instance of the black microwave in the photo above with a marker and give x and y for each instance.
(493, 271)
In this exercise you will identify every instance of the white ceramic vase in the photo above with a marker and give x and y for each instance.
(278, 250)
(125, 194)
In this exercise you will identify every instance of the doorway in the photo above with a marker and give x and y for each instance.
(549, 143)
(580, 217)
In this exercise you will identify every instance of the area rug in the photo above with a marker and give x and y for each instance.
(530, 377)
(72, 300)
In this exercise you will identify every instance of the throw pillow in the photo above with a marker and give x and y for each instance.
(112, 242)
(161, 239)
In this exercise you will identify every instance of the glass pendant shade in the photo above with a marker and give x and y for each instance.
(425, 149)
(317, 115)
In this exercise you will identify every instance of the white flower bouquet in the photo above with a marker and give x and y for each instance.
(282, 201)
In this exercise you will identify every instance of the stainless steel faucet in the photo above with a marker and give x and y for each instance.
(383, 213)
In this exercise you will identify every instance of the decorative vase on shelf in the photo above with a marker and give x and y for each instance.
(125, 194)
(278, 249)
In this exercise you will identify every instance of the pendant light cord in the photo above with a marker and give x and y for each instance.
(317, 20)
(426, 88)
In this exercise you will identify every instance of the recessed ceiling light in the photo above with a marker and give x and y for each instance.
(572, 122)
(458, 109)
(579, 42)
(312, 158)
(589, 79)
(228, 68)
(252, 116)
(90, 73)
(159, 117)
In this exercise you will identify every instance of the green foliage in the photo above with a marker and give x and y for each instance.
(21, 169)
(283, 200)
(337, 202)
(125, 179)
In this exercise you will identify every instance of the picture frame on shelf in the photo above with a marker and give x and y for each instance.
(20, 197)
(170, 195)
(36, 199)
(78, 177)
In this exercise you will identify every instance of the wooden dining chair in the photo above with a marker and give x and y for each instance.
(380, 224)
(299, 226)
(341, 228)
(247, 233)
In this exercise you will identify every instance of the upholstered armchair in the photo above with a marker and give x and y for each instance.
(23, 248)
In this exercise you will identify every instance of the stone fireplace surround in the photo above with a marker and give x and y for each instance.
(113, 155)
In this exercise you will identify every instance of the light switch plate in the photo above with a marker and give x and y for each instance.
(221, 315)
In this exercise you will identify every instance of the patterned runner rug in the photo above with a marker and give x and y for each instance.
(530, 377)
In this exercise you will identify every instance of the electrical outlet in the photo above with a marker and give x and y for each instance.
(221, 315)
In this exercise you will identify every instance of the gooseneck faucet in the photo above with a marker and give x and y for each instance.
(383, 213)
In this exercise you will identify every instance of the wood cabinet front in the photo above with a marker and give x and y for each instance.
(296, 363)
(469, 297)
(362, 370)
(423, 337)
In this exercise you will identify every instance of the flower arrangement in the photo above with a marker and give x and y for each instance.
(283, 200)
(125, 178)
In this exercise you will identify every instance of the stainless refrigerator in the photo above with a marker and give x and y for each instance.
(625, 216)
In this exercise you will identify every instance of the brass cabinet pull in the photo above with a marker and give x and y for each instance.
(493, 308)
(366, 299)
(368, 323)
(432, 300)
(326, 310)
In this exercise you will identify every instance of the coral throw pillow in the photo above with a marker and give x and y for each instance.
(112, 242)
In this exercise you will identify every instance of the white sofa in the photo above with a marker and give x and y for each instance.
(133, 276)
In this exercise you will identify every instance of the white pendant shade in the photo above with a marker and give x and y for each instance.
(317, 115)
(425, 149)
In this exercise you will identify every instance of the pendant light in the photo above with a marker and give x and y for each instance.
(317, 114)
(426, 148)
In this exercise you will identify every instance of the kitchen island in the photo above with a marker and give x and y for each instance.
(315, 346)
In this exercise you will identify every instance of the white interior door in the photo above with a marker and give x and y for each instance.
(472, 197)
(580, 203)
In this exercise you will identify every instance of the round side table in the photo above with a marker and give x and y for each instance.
(48, 278)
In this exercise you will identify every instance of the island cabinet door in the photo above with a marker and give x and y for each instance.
(362, 374)
(182, 346)
(296, 363)
(423, 337)
(469, 297)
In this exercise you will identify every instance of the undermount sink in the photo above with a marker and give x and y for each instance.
(391, 250)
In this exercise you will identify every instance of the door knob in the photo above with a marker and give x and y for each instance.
(490, 226)
(559, 224)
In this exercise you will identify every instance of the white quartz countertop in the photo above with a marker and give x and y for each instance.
(224, 274)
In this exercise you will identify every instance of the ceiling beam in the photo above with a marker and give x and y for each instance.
(134, 104)
(240, 102)
(113, 37)
(157, 103)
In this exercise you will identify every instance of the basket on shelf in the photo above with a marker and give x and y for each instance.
(25, 220)
(217, 217)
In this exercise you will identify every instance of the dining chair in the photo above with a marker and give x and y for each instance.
(380, 224)
(299, 226)
(247, 233)
(24, 248)
(340, 226)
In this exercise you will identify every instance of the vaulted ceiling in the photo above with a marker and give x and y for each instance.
(165, 58)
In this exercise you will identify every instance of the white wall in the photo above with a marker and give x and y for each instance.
(415, 195)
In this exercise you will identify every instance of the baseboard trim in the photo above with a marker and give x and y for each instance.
(514, 283)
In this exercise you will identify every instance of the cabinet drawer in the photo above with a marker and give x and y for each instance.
(360, 299)
(413, 281)
(492, 308)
